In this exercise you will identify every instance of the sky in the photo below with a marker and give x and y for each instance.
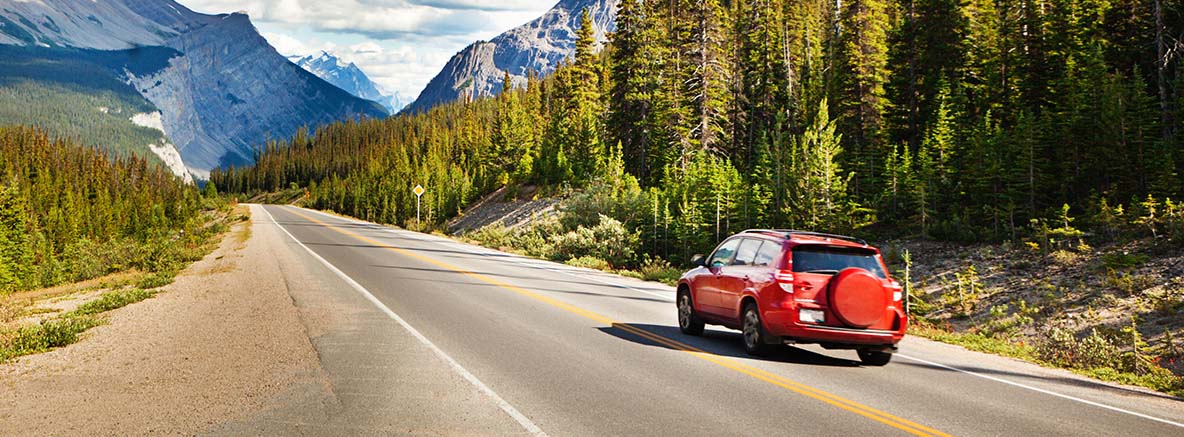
(400, 44)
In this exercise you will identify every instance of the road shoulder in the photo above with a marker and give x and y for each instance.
(215, 344)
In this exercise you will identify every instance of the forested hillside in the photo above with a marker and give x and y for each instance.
(957, 120)
(69, 212)
(76, 94)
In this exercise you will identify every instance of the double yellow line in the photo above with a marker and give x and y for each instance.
(796, 387)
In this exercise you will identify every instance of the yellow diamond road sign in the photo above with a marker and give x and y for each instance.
(418, 190)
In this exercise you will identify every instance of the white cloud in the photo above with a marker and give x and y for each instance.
(401, 44)
(382, 19)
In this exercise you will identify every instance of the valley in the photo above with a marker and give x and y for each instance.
(614, 217)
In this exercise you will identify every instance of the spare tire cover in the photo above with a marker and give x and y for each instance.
(857, 297)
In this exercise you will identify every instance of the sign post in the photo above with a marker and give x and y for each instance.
(418, 194)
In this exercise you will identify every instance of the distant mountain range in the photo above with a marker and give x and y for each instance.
(349, 78)
(537, 46)
(220, 88)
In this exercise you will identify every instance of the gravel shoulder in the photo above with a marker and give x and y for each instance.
(215, 345)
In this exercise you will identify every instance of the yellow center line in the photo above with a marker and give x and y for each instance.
(777, 380)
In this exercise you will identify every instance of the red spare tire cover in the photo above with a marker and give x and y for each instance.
(857, 297)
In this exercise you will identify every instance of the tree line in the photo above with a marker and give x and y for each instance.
(70, 212)
(969, 120)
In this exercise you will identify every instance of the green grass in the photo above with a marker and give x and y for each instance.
(49, 334)
(156, 280)
(112, 300)
(1160, 381)
(976, 342)
(64, 329)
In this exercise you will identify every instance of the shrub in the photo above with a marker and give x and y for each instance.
(1060, 347)
(660, 270)
(1123, 260)
(620, 199)
(589, 262)
(608, 240)
(1127, 283)
(495, 235)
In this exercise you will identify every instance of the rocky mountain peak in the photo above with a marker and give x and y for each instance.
(538, 46)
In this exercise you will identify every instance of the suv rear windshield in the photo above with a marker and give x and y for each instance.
(825, 259)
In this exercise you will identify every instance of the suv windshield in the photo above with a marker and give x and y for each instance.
(824, 259)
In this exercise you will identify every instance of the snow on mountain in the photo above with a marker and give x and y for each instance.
(537, 46)
(350, 78)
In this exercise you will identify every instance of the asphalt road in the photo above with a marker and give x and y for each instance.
(509, 345)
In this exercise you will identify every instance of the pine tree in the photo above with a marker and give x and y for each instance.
(632, 87)
(707, 87)
(16, 253)
(863, 55)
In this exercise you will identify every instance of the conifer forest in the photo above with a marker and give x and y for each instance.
(972, 121)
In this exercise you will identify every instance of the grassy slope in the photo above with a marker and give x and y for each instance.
(77, 94)
(1071, 309)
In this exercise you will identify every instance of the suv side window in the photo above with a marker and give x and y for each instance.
(767, 254)
(747, 252)
(724, 254)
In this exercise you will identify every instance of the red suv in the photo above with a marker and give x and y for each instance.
(786, 287)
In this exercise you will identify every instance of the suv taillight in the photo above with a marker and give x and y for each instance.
(897, 294)
(785, 279)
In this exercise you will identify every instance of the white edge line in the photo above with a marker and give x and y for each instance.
(542, 264)
(1047, 392)
(464, 373)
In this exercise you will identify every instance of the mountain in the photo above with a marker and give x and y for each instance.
(538, 46)
(220, 88)
(77, 94)
(349, 78)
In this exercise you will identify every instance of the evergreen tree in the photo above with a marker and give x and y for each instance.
(862, 33)
(16, 254)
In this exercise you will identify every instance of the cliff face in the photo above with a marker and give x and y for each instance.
(229, 91)
(224, 92)
(538, 46)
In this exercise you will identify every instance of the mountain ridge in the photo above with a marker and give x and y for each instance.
(349, 77)
(538, 47)
(226, 91)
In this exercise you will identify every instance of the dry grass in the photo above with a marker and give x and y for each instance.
(18, 306)
(34, 321)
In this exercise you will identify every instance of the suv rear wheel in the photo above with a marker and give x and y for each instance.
(754, 332)
(874, 358)
(688, 322)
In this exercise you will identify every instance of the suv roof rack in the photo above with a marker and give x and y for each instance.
(789, 233)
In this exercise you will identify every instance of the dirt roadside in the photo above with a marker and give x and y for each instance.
(206, 350)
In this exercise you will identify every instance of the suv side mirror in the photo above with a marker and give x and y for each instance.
(698, 260)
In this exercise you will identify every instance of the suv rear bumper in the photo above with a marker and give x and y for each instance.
(784, 324)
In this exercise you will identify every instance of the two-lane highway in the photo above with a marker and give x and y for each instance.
(565, 351)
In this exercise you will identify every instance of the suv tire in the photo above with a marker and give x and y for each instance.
(755, 336)
(688, 322)
(874, 358)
